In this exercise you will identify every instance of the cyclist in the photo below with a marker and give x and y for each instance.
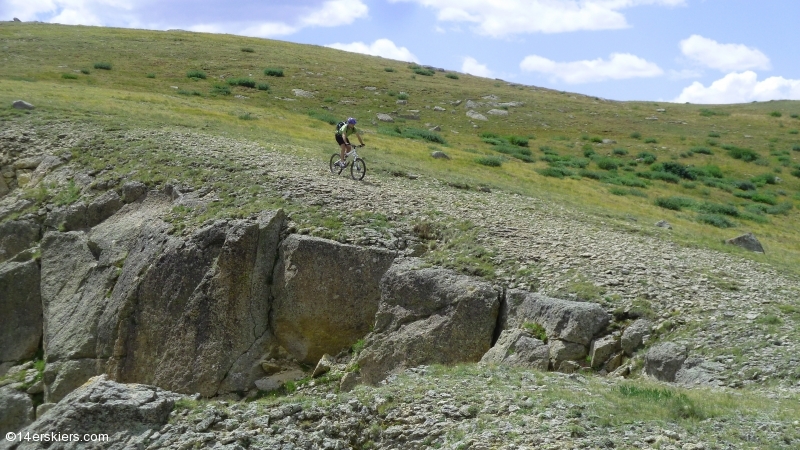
(342, 134)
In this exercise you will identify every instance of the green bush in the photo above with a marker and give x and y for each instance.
(589, 152)
(243, 82)
(220, 89)
(151, 75)
(519, 141)
(620, 151)
(713, 134)
(591, 175)
(555, 172)
(636, 135)
(647, 157)
(795, 116)
(796, 148)
(651, 141)
(536, 331)
(596, 140)
(766, 178)
(626, 181)
(248, 50)
(425, 72)
(663, 176)
(324, 116)
(247, 116)
(745, 154)
(388, 69)
(491, 161)
(712, 112)
(607, 163)
(715, 208)
(764, 198)
(790, 131)
(69, 76)
(402, 96)
(187, 92)
(493, 141)
(196, 74)
(775, 114)
(674, 203)
(102, 66)
(716, 220)
(796, 173)
(452, 76)
(273, 72)
(781, 208)
(262, 87)
(702, 150)
(86, 72)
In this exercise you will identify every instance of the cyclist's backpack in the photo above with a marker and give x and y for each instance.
(339, 126)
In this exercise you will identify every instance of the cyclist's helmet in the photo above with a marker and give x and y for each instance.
(351, 121)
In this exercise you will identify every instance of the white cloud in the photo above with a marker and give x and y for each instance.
(621, 66)
(71, 12)
(685, 74)
(336, 12)
(267, 30)
(507, 17)
(381, 47)
(741, 88)
(473, 67)
(724, 57)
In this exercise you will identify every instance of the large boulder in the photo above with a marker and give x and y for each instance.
(123, 412)
(16, 236)
(193, 314)
(21, 306)
(518, 348)
(748, 242)
(326, 295)
(16, 410)
(62, 377)
(569, 321)
(102, 208)
(634, 335)
(663, 361)
(428, 316)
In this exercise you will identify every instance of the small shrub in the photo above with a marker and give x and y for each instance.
(796, 173)
(713, 134)
(243, 82)
(186, 92)
(452, 76)
(388, 69)
(636, 135)
(248, 50)
(701, 150)
(402, 96)
(764, 198)
(536, 331)
(620, 151)
(745, 154)
(589, 152)
(781, 208)
(790, 131)
(766, 178)
(262, 86)
(607, 163)
(674, 203)
(651, 141)
(647, 157)
(555, 172)
(69, 76)
(597, 140)
(795, 116)
(151, 75)
(491, 161)
(102, 66)
(705, 112)
(324, 116)
(591, 175)
(716, 220)
(714, 208)
(85, 71)
(220, 89)
(424, 72)
(775, 114)
(273, 72)
(518, 141)
(196, 74)
(796, 148)
(247, 116)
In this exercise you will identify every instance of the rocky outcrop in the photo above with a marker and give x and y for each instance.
(326, 295)
(635, 335)
(16, 410)
(428, 316)
(518, 348)
(16, 236)
(195, 317)
(124, 412)
(663, 361)
(21, 306)
(748, 242)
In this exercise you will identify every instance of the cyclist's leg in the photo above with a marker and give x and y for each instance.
(342, 151)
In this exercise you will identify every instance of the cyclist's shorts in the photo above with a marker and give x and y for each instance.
(341, 139)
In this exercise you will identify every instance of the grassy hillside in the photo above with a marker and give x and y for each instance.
(712, 171)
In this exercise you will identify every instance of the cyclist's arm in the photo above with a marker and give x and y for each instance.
(358, 135)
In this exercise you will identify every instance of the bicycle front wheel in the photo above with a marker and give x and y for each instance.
(358, 169)
(335, 168)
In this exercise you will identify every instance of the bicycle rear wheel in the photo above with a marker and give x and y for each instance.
(337, 169)
(358, 169)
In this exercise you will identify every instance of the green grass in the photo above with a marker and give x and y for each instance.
(199, 74)
(248, 49)
(243, 82)
(102, 66)
(69, 76)
(124, 97)
(490, 161)
(452, 76)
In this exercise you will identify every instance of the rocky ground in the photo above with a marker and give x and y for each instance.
(738, 318)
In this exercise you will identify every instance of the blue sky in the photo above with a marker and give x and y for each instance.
(698, 51)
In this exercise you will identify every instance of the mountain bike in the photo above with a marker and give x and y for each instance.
(358, 168)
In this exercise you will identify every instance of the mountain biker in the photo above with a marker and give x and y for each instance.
(342, 134)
